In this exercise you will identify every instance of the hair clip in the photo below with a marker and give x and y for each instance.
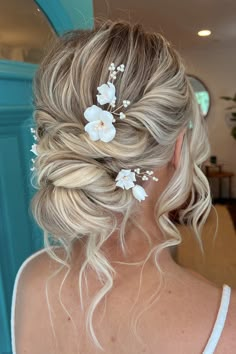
(126, 178)
(100, 126)
(33, 148)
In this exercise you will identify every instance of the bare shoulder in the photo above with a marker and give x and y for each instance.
(31, 315)
(206, 304)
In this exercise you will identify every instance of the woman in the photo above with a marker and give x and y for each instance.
(115, 157)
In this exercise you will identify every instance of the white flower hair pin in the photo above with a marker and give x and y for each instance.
(126, 178)
(100, 126)
(33, 148)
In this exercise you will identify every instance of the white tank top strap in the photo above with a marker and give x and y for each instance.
(13, 303)
(220, 321)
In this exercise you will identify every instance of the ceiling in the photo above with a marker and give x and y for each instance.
(179, 21)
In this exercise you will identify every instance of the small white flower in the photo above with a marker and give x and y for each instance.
(126, 103)
(139, 193)
(113, 74)
(113, 103)
(112, 67)
(122, 115)
(106, 93)
(33, 131)
(121, 68)
(100, 125)
(125, 179)
(34, 149)
(155, 179)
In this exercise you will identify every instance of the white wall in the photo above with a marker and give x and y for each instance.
(217, 69)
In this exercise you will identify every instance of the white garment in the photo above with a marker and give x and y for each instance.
(220, 321)
(212, 341)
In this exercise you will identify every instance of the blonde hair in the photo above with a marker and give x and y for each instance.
(77, 198)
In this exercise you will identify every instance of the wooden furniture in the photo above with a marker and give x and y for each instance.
(216, 171)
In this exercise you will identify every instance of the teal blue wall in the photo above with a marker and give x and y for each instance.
(17, 236)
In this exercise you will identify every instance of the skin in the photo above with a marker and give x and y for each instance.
(180, 321)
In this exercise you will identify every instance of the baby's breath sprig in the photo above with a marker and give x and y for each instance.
(114, 71)
(33, 131)
(122, 115)
(34, 147)
(145, 175)
(112, 77)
